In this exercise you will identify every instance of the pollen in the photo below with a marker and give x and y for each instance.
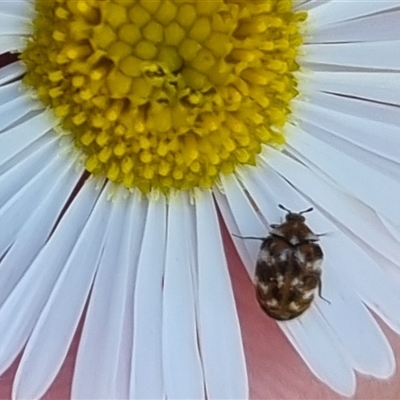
(162, 94)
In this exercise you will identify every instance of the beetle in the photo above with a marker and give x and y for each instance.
(288, 269)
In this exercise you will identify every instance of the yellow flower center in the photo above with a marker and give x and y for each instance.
(164, 94)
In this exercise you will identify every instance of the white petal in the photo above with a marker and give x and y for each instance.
(308, 4)
(371, 29)
(346, 172)
(246, 256)
(10, 92)
(12, 43)
(219, 330)
(364, 343)
(371, 143)
(136, 222)
(373, 86)
(394, 230)
(32, 291)
(38, 366)
(183, 376)
(244, 221)
(38, 225)
(102, 347)
(343, 10)
(147, 380)
(320, 350)
(367, 110)
(11, 71)
(20, 207)
(15, 176)
(372, 283)
(13, 25)
(14, 104)
(254, 180)
(377, 55)
(94, 375)
(376, 137)
(21, 136)
(20, 8)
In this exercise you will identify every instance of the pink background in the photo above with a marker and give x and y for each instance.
(275, 369)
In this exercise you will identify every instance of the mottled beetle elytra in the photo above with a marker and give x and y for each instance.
(288, 269)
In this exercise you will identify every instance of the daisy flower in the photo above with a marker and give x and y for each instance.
(131, 131)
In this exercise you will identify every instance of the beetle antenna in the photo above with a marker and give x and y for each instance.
(284, 208)
(249, 237)
(306, 211)
(291, 212)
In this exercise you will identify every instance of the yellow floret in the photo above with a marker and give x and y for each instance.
(165, 94)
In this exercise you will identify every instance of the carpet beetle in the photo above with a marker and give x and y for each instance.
(288, 268)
